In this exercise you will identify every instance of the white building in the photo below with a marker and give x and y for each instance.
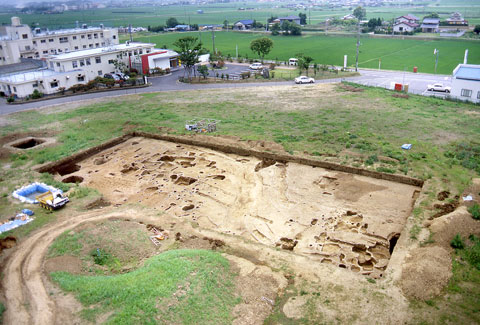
(402, 27)
(18, 41)
(466, 82)
(79, 67)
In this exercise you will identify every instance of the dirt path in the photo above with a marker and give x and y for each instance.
(27, 300)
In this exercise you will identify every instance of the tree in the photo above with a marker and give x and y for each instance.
(271, 19)
(120, 66)
(360, 13)
(304, 62)
(432, 15)
(303, 18)
(476, 30)
(225, 24)
(261, 46)
(291, 28)
(275, 29)
(171, 22)
(203, 70)
(189, 49)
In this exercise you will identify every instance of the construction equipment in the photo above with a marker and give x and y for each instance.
(52, 200)
(202, 125)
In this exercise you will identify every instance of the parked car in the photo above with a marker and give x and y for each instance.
(304, 80)
(256, 66)
(439, 87)
(122, 76)
(111, 76)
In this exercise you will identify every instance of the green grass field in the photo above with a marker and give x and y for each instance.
(395, 54)
(175, 287)
(217, 13)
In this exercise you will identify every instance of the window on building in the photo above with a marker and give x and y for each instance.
(83, 36)
(134, 52)
(45, 52)
(140, 52)
(98, 59)
(100, 73)
(54, 84)
(58, 64)
(50, 40)
(478, 94)
(60, 51)
(25, 36)
(97, 45)
(34, 42)
(84, 46)
(1, 47)
(27, 47)
(87, 61)
(110, 61)
(95, 35)
(466, 93)
(74, 37)
(101, 34)
(15, 89)
(43, 41)
(76, 47)
(35, 85)
(148, 51)
(51, 65)
(114, 37)
(103, 43)
(89, 36)
(90, 46)
(75, 64)
(63, 39)
(82, 62)
(81, 78)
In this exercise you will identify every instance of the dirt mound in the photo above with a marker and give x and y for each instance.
(98, 203)
(458, 222)
(426, 272)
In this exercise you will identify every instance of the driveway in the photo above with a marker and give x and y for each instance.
(417, 84)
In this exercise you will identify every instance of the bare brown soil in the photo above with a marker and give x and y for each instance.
(334, 217)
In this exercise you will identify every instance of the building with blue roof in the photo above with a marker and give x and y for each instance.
(466, 82)
(243, 24)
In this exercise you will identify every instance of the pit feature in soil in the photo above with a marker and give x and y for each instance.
(348, 220)
(27, 143)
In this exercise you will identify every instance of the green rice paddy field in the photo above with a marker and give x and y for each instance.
(395, 54)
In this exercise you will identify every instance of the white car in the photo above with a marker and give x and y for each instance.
(256, 66)
(439, 87)
(304, 80)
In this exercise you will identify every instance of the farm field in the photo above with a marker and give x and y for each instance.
(395, 54)
(86, 248)
(217, 13)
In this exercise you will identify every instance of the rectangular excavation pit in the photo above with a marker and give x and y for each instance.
(333, 216)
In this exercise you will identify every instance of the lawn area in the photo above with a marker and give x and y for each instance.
(178, 286)
(395, 54)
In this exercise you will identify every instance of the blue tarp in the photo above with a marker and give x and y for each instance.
(407, 146)
(28, 193)
(14, 224)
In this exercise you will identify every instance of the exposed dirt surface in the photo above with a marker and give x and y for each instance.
(71, 264)
(8, 142)
(270, 202)
(426, 272)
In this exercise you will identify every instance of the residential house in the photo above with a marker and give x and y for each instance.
(291, 19)
(411, 19)
(243, 24)
(456, 19)
(402, 27)
(430, 25)
(466, 82)
(349, 17)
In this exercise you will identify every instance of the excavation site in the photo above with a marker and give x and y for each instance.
(343, 218)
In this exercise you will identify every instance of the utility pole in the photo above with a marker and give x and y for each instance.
(358, 45)
(436, 59)
(309, 16)
(213, 40)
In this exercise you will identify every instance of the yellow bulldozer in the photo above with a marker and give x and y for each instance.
(52, 200)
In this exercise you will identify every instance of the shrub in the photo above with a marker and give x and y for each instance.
(457, 242)
(473, 253)
(371, 160)
(475, 211)
(78, 87)
(100, 256)
(36, 94)
(10, 99)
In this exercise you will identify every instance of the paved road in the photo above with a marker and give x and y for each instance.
(417, 82)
